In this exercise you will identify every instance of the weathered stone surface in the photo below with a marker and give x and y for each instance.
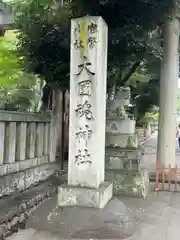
(119, 163)
(86, 158)
(10, 142)
(124, 153)
(74, 196)
(33, 234)
(31, 137)
(132, 183)
(88, 75)
(21, 133)
(112, 222)
(122, 140)
(122, 126)
(127, 159)
(46, 135)
(8, 116)
(22, 165)
(14, 210)
(39, 139)
(22, 180)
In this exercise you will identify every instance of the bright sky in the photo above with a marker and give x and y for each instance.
(178, 82)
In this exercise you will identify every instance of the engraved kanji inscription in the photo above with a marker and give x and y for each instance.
(83, 157)
(92, 42)
(85, 66)
(92, 28)
(77, 42)
(92, 32)
(84, 87)
(84, 109)
(83, 135)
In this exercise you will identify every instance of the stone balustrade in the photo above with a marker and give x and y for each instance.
(24, 150)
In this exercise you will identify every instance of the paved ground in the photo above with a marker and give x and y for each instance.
(157, 217)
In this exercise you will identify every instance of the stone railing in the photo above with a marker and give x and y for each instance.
(24, 150)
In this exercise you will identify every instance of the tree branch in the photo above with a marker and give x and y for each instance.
(130, 72)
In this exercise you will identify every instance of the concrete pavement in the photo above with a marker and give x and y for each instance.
(156, 217)
(149, 158)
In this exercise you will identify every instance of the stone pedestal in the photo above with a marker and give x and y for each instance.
(123, 155)
(85, 197)
(86, 165)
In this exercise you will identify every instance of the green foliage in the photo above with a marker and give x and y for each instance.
(21, 99)
(134, 32)
(148, 117)
(16, 87)
(44, 37)
(135, 37)
(9, 66)
(11, 74)
(148, 92)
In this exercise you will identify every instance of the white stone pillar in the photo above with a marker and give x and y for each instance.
(87, 115)
(168, 94)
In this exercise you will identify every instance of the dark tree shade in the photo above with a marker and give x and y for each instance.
(45, 28)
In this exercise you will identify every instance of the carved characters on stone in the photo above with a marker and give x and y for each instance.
(84, 109)
(85, 66)
(83, 135)
(83, 157)
(84, 88)
(77, 41)
(85, 36)
(92, 34)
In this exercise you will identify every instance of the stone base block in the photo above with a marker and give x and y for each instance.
(133, 184)
(85, 197)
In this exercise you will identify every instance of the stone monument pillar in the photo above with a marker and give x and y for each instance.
(123, 149)
(86, 165)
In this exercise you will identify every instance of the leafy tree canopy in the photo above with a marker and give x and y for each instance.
(134, 41)
(45, 31)
(17, 88)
